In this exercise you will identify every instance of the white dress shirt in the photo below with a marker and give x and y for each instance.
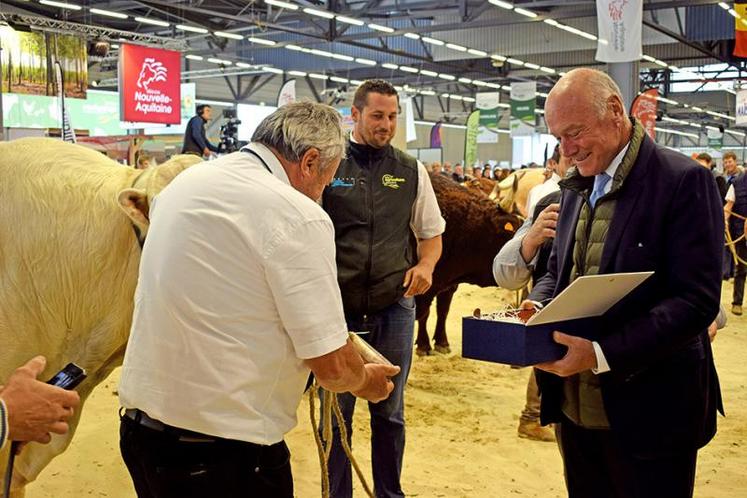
(237, 286)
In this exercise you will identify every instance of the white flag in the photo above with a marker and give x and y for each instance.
(410, 133)
(619, 24)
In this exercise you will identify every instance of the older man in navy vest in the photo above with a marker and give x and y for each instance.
(635, 401)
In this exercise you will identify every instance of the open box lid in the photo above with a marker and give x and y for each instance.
(589, 296)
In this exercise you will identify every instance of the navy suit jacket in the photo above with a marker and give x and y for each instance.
(662, 392)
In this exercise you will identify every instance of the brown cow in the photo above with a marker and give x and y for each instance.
(476, 229)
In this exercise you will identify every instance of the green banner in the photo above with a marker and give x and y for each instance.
(98, 112)
(470, 140)
(523, 105)
(715, 139)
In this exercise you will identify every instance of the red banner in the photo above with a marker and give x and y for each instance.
(644, 109)
(149, 85)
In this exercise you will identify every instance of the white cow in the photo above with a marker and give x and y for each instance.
(68, 264)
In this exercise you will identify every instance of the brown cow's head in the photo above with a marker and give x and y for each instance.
(135, 201)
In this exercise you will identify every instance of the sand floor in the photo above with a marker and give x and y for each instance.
(461, 421)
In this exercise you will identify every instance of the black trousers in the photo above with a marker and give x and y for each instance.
(171, 464)
(597, 467)
(739, 276)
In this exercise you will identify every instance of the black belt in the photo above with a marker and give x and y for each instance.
(142, 418)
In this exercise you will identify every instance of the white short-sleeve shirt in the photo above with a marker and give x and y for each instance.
(238, 285)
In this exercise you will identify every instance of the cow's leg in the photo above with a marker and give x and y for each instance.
(443, 303)
(422, 310)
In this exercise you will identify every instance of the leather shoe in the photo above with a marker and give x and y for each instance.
(535, 432)
(736, 309)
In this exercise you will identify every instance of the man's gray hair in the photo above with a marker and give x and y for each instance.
(295, 128)
(602, 87)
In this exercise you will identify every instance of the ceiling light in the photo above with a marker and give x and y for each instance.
(502, 4)
(466, 81)
(676, 132)
(379, 27)
(116, 45)
(547, 69)
(232, 36)
(350, 20)
(272, 70)
(279, 3)
(733, 12)
(365, 62)
(108, 13)
(427, 92)
(322, 53)
(661, 63)
(493, 85)
(456, 97)
(433, 41)
(319, 13)
(297, 73)
(445, 95)
(468, 99)
(479, 53)
(426, 72)
(294, 47)
(515, 61)
(724, 5)
(525, 12)
(317, 76)
(551, 22)
(673, 120)
(193, 57)
(343, 57)
(446, 77)
(697, 109)
(220, 61)
(539, 111)
(413, 36)
(337, 79)
(61, 5)
(193, 29)
(244, 65)
(737, 133)
(479, 83)
(648, 58)
(498, 57)
(356, 82)
(388, 65)
(154, 22)
(668, 101)
(456, 47)
(262, 41)
(694, 125)
(531, 65)
(408, 69)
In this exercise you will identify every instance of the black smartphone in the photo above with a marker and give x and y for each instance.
(69, 377)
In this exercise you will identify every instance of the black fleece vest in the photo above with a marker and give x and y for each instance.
(370, 202)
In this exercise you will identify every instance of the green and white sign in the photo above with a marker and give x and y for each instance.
(523, 105)
(715, 139)
(98, 112)
(470, 140)
(487, 104)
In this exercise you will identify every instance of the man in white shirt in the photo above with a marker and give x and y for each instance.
(237, 300)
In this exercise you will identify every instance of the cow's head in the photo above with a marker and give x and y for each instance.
(135, 201)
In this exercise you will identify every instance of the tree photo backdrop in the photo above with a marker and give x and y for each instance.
(28, 62)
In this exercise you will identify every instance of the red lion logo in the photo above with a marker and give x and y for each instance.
(152, 71)
(615, 8)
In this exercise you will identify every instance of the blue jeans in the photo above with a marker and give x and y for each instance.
(390, 331)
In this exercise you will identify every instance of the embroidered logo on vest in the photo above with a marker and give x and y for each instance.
(391, 181)
(342, 182)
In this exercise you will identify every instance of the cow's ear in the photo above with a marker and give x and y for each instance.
(134, 203)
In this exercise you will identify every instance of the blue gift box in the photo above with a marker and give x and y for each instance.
(575, 311)
(517, 343)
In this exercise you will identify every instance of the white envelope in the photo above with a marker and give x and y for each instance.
(588, 296)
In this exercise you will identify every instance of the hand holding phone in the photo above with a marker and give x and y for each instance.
(69, 377)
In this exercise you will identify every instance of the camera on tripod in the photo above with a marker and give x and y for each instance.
(229, 132)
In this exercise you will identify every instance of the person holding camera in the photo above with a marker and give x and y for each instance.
(195, 140)
(30, 410)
